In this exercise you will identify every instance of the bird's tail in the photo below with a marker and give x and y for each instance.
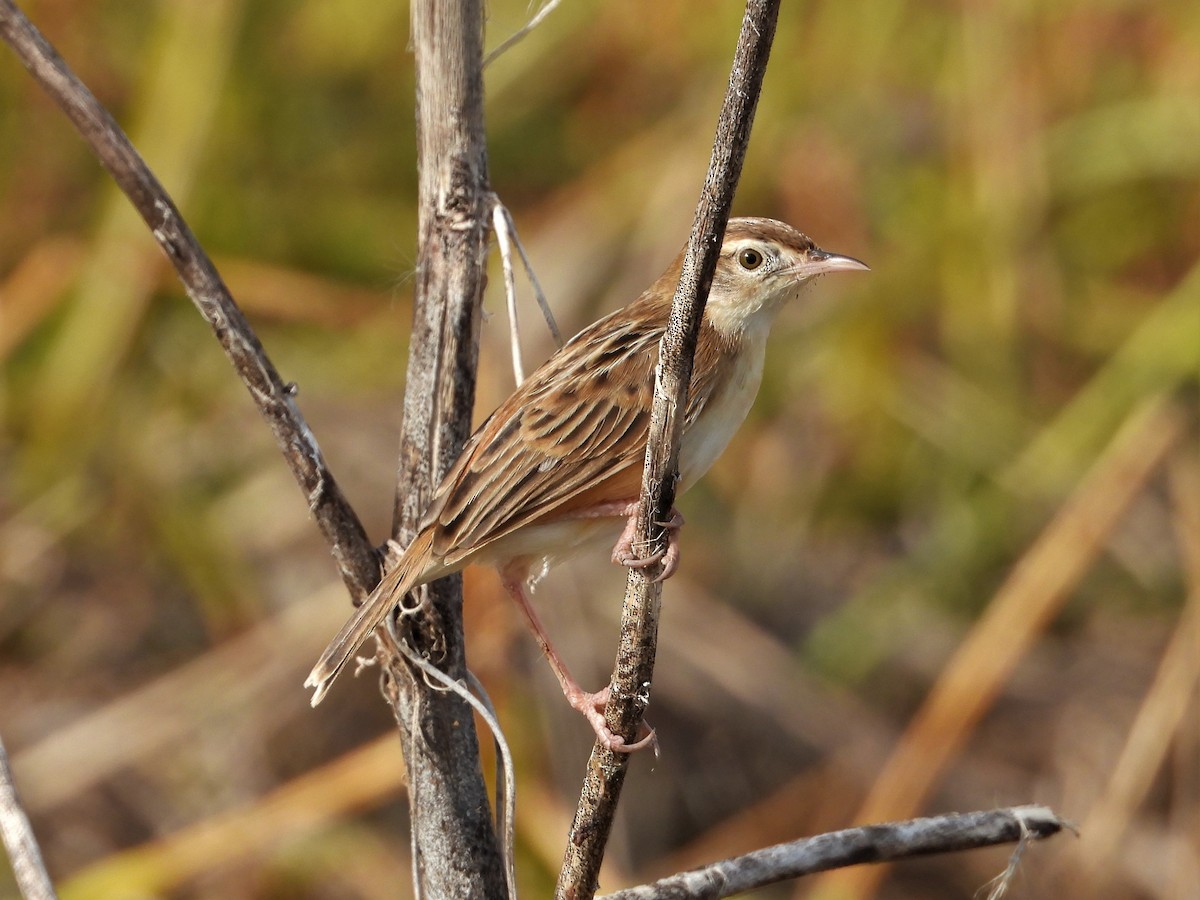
(406, 575)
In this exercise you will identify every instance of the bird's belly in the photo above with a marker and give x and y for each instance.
(707, 437)
(556, 540)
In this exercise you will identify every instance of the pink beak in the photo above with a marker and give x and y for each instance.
(821, 262)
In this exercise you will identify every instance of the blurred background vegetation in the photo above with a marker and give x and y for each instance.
(973, 479)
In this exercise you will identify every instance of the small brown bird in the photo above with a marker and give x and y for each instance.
(558, 465)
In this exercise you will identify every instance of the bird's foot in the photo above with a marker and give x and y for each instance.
(592, 706)
(623, 553)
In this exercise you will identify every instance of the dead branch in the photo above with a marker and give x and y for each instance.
(639, 621)
(274, 398)
(869, 843)
(455, 852)
(454, 836)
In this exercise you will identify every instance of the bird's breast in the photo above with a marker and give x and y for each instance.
(721, 415)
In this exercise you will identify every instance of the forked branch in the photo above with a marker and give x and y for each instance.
(274, 398)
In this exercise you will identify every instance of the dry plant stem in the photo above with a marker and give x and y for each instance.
(274, 399)
(1163, 713)
(1031, 596)
(639, 621)
(500, 226)
(473, 692)
(456, 839)
(520, 35)
(869, 843)
(507, 238)
(455, 848)
(19, 840)
(365, 779)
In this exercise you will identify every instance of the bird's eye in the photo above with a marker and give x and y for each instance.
(749, 259)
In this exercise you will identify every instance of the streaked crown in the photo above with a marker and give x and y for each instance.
(763, 264)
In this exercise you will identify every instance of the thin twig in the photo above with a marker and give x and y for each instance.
(639, 621)
(543, 304)
(538, 293)
(998, 886)
(519, 35)
(508, 237)
(506, 777)
(869, 843)
(500, 224)
(506, 784)
(19, 840)
(274, 398)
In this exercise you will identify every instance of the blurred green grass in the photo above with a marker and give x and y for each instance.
(1023, 178)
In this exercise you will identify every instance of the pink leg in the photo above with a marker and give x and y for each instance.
(591, 705)
(623, 553)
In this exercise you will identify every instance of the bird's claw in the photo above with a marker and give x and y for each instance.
(623, 554)
(592, 706)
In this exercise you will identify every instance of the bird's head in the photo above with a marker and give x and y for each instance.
(763, 264)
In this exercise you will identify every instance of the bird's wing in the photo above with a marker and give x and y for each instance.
(573, 435)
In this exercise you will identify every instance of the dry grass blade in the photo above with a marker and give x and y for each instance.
(33, 289)
(1034, 592)
(236, 676)
(1150, 737)
(1157, 356)
(513, 39)
(289, 295)
(1162, 712)
(274, 399)
(359, 780)
(172, 122)
(1185, 489)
